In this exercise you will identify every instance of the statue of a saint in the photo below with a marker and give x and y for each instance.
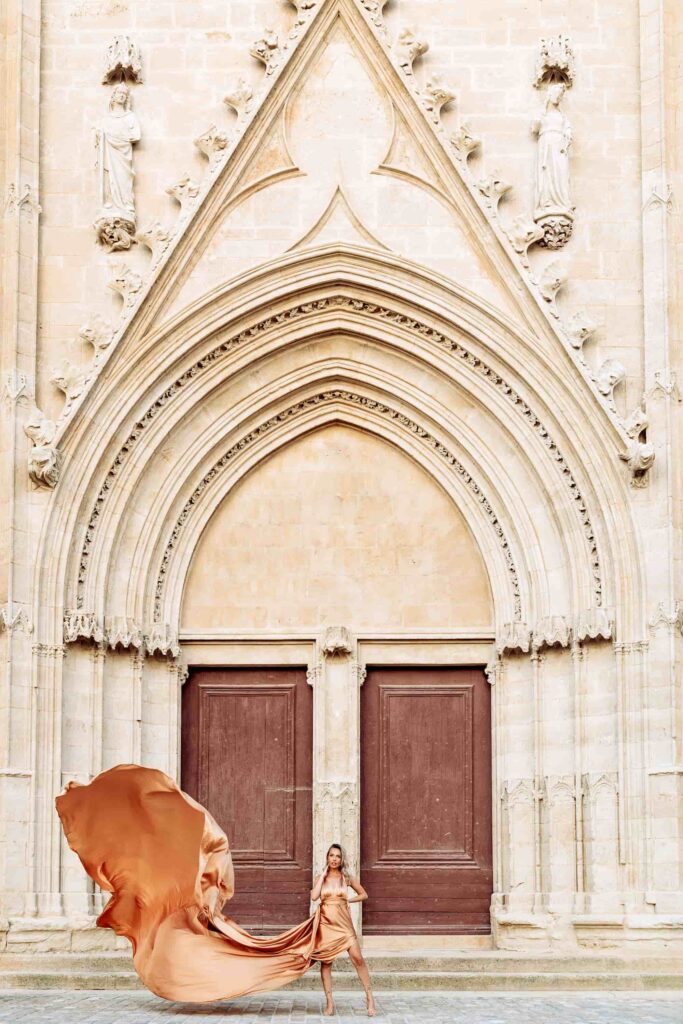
(114, 139)
(553, 209)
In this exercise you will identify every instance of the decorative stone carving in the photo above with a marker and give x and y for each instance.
(553, 278)
(157, 238)
(437, 96)
(302, 6)
(408, 48)
(213, 144)
(184, 192)
(13, 622)
(126, 283)
(375, 9)
(80, 625)
(522, 234)
(400, 321)
(122, 61)
(70, 379)
(553, 208)
(267, 50)
(640, 458)
(515, 637)
(337, 642)
(464, 142)
(114, 140)
(493, 188)
(44, 460)
(21, 200)
(637, 423)
(16, 386)
(162, 639)
(239, 98)
(579, 329)
(593, 624)
(124, 633)
(555, 61)
(493, 669)
(97, 332)
(553, 631)
(671, 621)
(610, 376)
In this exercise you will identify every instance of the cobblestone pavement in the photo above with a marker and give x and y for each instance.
(60, 1007)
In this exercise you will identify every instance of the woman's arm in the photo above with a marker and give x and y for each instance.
(317, 886)
(358, 888)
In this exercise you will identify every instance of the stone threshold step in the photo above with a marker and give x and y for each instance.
(382, 981)
(498, 962)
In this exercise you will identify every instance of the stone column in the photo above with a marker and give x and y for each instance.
(336, 680)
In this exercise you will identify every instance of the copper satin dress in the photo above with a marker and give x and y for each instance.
(168, 866)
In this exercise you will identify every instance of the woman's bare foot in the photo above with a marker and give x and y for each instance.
(329, 1008)
(371, 1004)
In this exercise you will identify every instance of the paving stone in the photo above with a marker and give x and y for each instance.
(66, 1007)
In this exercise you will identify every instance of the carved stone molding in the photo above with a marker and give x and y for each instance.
(593, 782)
(375, 9)
(666, 384)
(553, 631)
(80, 625)
(555, 61)
(162, 639)
(640, 458)
(518, 791)
(306, 405)
(523, 234)
(515, 638)
(610, 375)
(16, 386)
(336, 642)
(13, 621)
(120, 632)
(407, 48)
(593, 624)
(122, 61)
(493, 670)
(156, 238)
(267, 50)
(97, 332)
(21, 199)
(384, 314)
(70, 379)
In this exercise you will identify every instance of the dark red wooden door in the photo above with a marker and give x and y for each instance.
(246, 756)
(426, 852)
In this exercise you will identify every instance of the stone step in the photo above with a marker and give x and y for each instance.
(422, 962)
(382, 981)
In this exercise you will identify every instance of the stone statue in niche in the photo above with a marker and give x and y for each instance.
(553, 210)
(114, 140)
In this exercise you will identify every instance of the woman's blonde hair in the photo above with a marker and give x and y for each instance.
(344, 866)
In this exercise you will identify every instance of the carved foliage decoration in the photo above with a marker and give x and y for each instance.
(122, 61)
(555, 61)
(44, 460)
(385, 314)
(337, 642)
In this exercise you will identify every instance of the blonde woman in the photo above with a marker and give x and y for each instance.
(335, 930)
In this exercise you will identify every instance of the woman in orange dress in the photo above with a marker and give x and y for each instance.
(168, 868)
(336, 933)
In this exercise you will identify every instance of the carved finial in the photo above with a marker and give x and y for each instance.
(239, 98)
(555, 61)
(610, 376)
(437, 96)
(494, 188)
(184, 192)
(44, 460)
(267, 50)
(97, 332)
(464, 142)
(579, 329)
(408, 48)
(126, 283)
(553, 278)
(157, 238)
(213, 144)
(522, 234)
(122, 61)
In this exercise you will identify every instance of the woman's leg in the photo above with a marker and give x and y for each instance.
(326, 976)
(359, 963)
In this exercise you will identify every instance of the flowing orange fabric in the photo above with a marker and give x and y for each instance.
(168, 865)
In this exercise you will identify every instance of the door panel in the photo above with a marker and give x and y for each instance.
(426, 855)
(246, 756)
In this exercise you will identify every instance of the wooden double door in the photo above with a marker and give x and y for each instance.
(425, 793)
